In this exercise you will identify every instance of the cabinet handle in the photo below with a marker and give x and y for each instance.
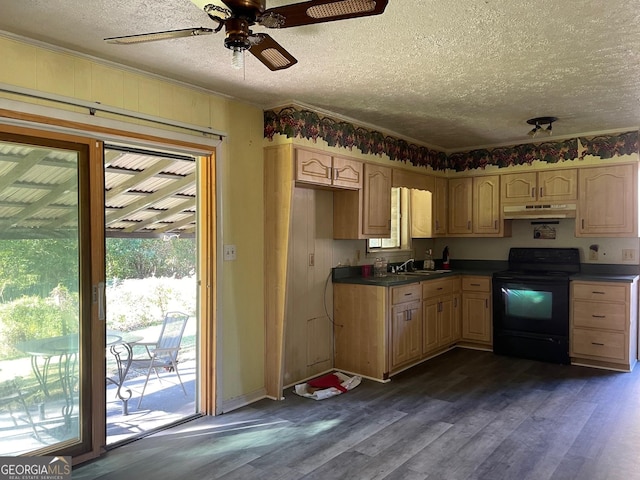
(495, 224)
(439, 306)
(409, 314)
(541, 192)
(468, 224)
(486, 303)
(439, 288)
(598, 293)
(599, 316)
(474, 284)
(598, 344)
(330, 172)
(583, 223)
(336, 173)
(437, 224)
(455, 302)
(407, 294)
(533, 192)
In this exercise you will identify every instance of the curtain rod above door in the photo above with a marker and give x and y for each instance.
(94, 107)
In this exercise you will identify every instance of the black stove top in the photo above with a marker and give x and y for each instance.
(542, 263)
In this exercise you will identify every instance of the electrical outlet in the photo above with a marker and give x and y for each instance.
(229, 253)
(593, 255)
(628, 254)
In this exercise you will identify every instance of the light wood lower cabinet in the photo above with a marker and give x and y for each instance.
(476, 310)
(604, 324)
(360, 315)
(380, 331)
(441, 314)
(406, 325)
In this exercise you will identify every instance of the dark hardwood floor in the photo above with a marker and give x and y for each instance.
(464, 415)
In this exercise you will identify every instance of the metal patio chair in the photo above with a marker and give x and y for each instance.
(163, 354)
(12, 394)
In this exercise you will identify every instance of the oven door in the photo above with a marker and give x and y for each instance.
(531, 306)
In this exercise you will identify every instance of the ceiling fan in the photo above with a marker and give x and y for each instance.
(238, 16)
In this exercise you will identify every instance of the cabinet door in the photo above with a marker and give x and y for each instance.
(430, 325)
(557, 186)
(457, 317)
(347, 173)
(406, 325)
(486, 205)
(476, 317)
(377, 201)
(421, 206)
(460, 205)
(607, 202)
(440, 207)
(446, 324)
(313, 167)
(518, 188)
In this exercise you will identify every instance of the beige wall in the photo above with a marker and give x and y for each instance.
(241, 283)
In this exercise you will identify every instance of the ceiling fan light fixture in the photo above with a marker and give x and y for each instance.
(538, 129)
(237, 58)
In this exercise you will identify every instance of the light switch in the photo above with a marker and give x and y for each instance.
(229, 253)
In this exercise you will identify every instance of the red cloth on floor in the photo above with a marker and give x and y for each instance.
(327, 381)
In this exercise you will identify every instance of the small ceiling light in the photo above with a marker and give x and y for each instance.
(538, 122)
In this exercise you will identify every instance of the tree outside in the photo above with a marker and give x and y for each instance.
(39, 285)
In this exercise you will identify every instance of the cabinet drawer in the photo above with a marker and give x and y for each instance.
(599, 291)
(595, 343)
(406, 293)
(610, 316)
(432, 288)
(476, 284)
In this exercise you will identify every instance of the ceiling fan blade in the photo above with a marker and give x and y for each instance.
(271, 53)
(318, 11)
(155, 36)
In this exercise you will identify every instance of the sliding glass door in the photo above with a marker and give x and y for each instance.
(151, 290)
(45, 294)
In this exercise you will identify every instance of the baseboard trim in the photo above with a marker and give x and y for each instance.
(243, 400)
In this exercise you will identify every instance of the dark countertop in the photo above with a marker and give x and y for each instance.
(594, 273)
(600, 277)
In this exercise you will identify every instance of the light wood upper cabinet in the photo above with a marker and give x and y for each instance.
(440, 207)
(347, 173)
(460, 205)
(421, 206)
(317, 168)
(486, 205)
(364, 213)
(377, 201)
(608, 201)
(551, 186)
(474, 206)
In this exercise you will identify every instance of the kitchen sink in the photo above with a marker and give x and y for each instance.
(425, 272)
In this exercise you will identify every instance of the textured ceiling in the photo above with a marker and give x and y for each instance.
(452, 74)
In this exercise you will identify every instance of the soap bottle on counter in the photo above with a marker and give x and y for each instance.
(428, 260)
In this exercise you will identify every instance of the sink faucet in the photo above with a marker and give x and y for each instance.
(403, 267)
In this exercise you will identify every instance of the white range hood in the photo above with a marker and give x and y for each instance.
(565, 210)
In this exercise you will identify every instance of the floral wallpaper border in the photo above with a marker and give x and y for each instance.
(295, 122)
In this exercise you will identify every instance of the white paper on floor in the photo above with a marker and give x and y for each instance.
(348, 383)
